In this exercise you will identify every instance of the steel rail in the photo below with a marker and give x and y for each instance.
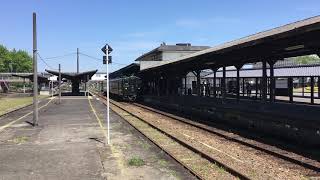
(207, 129)
(202, 154)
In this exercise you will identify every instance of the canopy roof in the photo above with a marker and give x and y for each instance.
(84, 76)
(295, 39)
(129, 70)
(41, 79)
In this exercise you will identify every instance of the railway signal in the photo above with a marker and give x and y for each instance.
(107, 50)
(105, 59)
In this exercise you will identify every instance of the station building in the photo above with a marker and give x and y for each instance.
(167, 52)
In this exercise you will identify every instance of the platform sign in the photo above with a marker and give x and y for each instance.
(104, 49)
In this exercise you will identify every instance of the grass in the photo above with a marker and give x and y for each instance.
(8, 104)
(162, 162)
(306, 89)
(136, 161)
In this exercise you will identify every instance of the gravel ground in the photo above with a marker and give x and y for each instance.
(244, 159)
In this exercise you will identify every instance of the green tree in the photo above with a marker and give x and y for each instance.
(309, 59)
(14, 61)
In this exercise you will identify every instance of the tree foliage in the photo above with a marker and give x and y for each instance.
(14, 61)
(309, 59)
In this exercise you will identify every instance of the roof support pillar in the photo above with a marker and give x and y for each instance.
(318, 86)
(264, 80)
(238, 81)
(302, 86)
(312, 89)
(256, 87)
(290, 85)
(272, 80)
(158, 85)
(185, 84)
(214, 82)
(197, 73)
(168, 86)
(223, 83)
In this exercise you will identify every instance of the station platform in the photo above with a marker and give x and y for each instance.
(69, 143)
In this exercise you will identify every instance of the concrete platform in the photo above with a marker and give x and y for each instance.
(69, 144)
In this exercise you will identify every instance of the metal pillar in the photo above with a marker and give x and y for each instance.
(168, 86)
(158, 85)
(238, 83)
(264, 81)
(272, 81)
(35, 72)
(318, 87)
(302, 86)
(215, 83)
(290, 85)
(256, 87)
(243, 82)
(59, 83)
(223, 83)
(198, 82)
(312, 89)
(185, 85)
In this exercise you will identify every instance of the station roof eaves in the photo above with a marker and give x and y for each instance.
(131, 68)
(163, 48)
(252, 39)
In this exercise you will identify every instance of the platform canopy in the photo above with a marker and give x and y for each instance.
(41, 79)
(295, 39)
(75, 78)
(84, 76)
(129, 70)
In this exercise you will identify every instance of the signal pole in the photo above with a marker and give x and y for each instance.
(35, 72)
(108, 115)
(59, 84)
(106, 59)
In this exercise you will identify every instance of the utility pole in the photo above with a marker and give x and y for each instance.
(35, 72)
(77, 60)
(59, 84)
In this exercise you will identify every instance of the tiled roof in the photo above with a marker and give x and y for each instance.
(278, 72)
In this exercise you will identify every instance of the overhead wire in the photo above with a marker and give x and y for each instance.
(45, 61)
(61, 56)
(100, 60)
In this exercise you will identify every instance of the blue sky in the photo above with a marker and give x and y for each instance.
(135, 27)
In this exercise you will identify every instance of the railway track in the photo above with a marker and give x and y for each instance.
(279, 153)
(216, 156)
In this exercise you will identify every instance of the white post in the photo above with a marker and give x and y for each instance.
(108, 121)
(51, 88)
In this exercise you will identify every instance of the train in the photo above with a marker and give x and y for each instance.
(125, 88)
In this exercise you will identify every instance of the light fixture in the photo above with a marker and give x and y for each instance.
(291, 48)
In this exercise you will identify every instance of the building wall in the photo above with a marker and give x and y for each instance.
(168, 55)
(154, 59)
(98, 77)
